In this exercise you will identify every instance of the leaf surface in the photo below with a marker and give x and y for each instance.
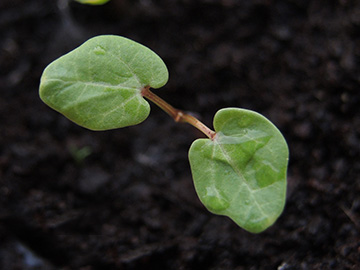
(241, 173)
(98, 85)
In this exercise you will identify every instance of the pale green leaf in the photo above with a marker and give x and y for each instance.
(98, 85)
(241, 173)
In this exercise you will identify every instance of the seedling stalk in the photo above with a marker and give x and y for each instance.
(178, 115)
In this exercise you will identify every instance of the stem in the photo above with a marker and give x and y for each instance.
(176, 114)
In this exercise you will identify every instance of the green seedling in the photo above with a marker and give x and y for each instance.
(92, 2)
(79, 154)
(239, 170)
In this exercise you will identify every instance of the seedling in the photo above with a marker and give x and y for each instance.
(79, 154)
(239, 170)
(93, 2)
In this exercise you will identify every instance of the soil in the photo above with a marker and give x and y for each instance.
(71, 198)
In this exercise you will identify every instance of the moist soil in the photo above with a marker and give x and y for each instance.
(71, 198)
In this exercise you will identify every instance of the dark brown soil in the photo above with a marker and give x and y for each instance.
(124, 199)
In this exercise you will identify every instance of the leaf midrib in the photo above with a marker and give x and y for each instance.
(241, 176)
(96, 84)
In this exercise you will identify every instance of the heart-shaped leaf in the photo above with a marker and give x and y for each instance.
(98, 85)
(241, 173)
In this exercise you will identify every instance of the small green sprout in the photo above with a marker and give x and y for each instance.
(239, 170)
(92, 2)
(79, 154)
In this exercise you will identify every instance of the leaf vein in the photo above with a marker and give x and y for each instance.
(241, 176)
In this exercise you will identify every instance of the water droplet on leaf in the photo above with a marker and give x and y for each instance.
(215, 200)
(98, 50)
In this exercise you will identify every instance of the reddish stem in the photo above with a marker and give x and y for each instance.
(176, 114)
